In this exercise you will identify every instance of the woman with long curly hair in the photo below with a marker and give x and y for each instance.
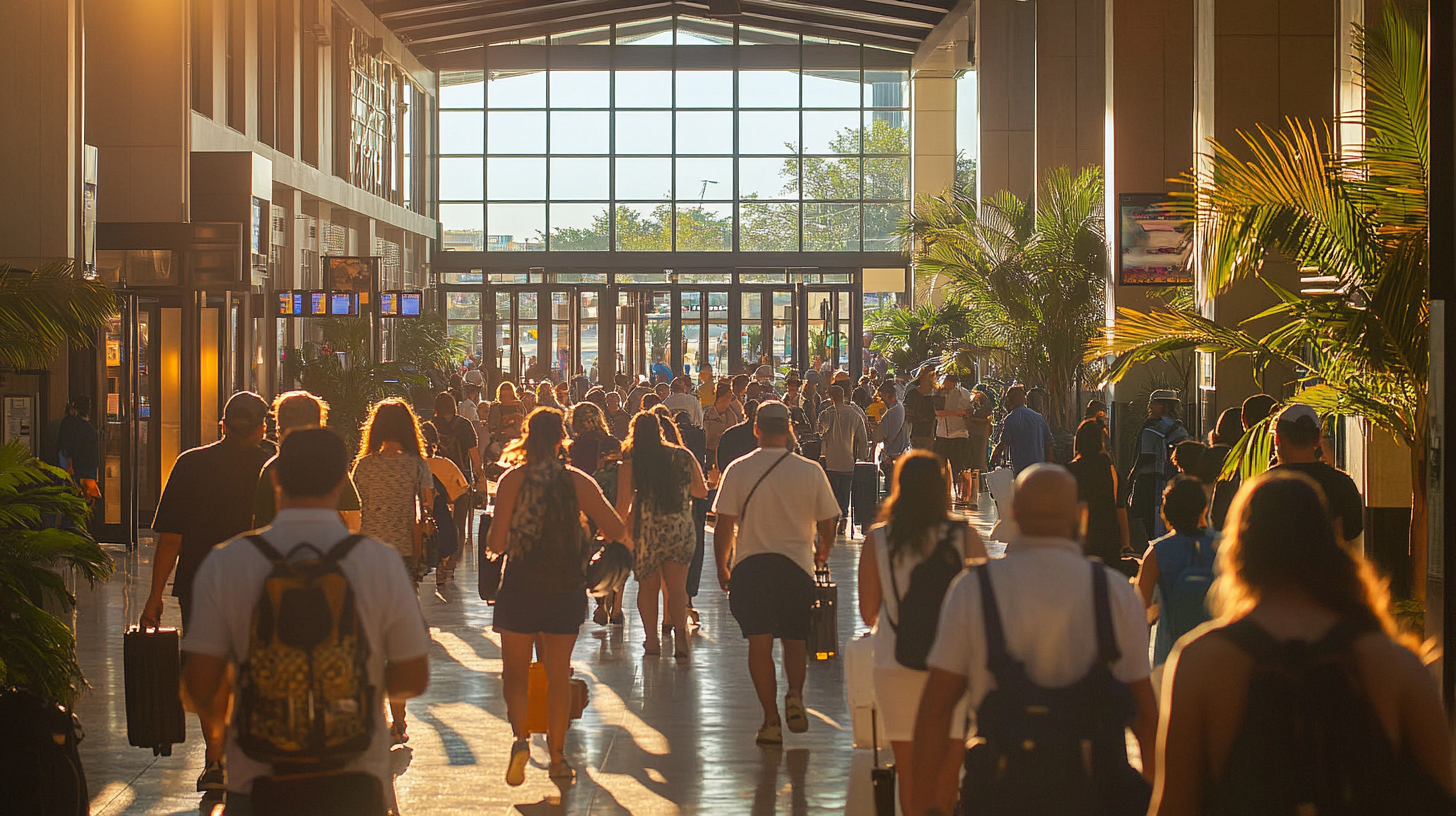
(538, 527)
(1305, 620)
(396, 490)
(656, 483)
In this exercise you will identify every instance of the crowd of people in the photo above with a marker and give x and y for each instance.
(1250, 584)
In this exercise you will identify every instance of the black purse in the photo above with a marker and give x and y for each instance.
(491, 564)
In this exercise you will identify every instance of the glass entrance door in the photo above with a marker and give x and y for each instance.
(704, 334)
(830, 313)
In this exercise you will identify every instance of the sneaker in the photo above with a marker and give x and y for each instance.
(516, 769)
(213, 778)
(794, 714)
(599, 617)
(771, 735)
(619, 619)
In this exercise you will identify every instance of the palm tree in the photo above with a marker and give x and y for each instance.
(37, 649)
(1032, 279)
(909, 337)
(43, 310)
(1359, 340)
(340, 370)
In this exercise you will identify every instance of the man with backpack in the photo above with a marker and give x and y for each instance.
(1160, 433)
(1051, 648)
(266, 605)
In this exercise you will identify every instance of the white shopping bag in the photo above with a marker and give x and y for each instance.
(1002, 484)
(859, 682)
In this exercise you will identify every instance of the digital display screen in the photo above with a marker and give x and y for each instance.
(341, 303)
(318, 303)
(388, 304)
(285, 304)
(409, 304)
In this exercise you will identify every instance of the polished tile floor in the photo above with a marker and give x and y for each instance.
(657, 738)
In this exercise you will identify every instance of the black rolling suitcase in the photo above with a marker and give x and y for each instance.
(153, 670)
(864, 494)
(489, 566)
(824, 617)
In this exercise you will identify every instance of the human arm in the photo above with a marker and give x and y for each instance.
(1180, 758)
(861, 440)
(698, 489)
(625, 492)
(505, 503)
(169, 546)
(1121, 510)
(725, 532)
(407, 678)
(828, 530)
(1145, 724)
(205, 676)
(942, 692)
(1147, 577)
(591, 501)
(353, 519)
(869, 583)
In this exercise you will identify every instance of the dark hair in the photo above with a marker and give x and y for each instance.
(391, 420)
(793, 382)
(1301, 433)
(919, 501)
(722, 389)
(1183, 503)
(1256, 409)
(1230, 427)
(681, 383)
(431, 436)
(886, 387)
(543, 432)
(650, 400)
(836, 393)
(1279, 534)
(669, 428)
(1094, 407)
(750, 409)
(311, 463)
(446, 404)
(624, 380)
(1188, 457)
(654, 478)
(82, 404)
(740, 382)
(1089, 441)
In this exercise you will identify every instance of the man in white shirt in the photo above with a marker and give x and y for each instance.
(773, 506)
(682, 398)
(892, 430)
(952, 436)
(309, 472)
(842, 428)
(1044, 594)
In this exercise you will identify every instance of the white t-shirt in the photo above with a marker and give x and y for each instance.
(685, 401)
(1044, 594)
(956, 399)
(226, 590)
(785, 510)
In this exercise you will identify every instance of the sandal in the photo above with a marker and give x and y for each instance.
(399, 732)
(794, 715)
(652, 648)
(516, 768)
(560, 770)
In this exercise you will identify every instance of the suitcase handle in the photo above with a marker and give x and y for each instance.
(821, 575)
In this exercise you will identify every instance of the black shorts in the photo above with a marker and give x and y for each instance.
(769, 594)
(524, 610)
(956, 451)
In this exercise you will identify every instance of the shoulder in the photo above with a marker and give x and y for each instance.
(1379, 652)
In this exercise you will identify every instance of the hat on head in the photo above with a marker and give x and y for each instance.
(245, 409)
(763, 371)
(841, 376)
(1163, 394)
(474, 376)
(1294, 413)
(773, 409)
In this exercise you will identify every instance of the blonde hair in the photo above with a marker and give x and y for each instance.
(392, 420)
(586, 417)
(299, 409)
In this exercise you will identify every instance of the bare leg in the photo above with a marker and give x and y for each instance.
(214, 729)
(675, 583)
(949, 784)
(557, 658)
(765, 675)
(796, 665)
(647, 588)
(904, 773)
(515, 677)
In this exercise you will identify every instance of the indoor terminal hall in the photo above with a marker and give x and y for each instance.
(873, 407)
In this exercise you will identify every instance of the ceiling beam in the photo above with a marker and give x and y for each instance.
(902, 16)
(558, 8)
(830, 23)
(526, 32)
(957, 24)
(562, 19)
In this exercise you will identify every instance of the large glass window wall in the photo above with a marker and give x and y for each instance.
(676, 134)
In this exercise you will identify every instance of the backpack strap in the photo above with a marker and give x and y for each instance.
(1107, 648)
(998, 660)
(268, 550)
(948, 528)
(340, 551)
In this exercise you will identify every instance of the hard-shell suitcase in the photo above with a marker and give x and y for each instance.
(824, 617)
(865, 494)
(490, 566)
(153, 670)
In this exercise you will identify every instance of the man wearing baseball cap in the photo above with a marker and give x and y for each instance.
(207, 500)
(776, 519)
(1161, 432)
(1297, 444)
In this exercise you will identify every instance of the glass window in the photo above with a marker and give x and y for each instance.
(516, 132)
(462, 132)
(887, 132)
(831, 131)
(462, 227)
(580, 131)
(768, 227)
(580, 179)
(768, 89)
(705, 179)
(462, 179)
(580, 227)
(768, 132)
(644, 227)
(831, 89)
(881, 221)
(887, 178)
(515, 179)
(831, 227)
(516, 89)
(647, 32)
(644, 179)
(580, 89)
(704, 89)
(516, 227)
(886, 89)
(831, 178)
(462, 306)
(462, 89)
(644, 89)
(704, 227)
(643, 132)
(705, 132)
(768, 178)
(695, 31)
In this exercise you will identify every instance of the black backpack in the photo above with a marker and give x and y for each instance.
(919, 607)
(1052, 751)
(1310, 741)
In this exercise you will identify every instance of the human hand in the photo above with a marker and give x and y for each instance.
(90, 490)
(152, 613)
(723, 576)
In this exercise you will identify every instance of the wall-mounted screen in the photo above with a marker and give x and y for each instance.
(1153, 244)
(389, 304)
(318, 304)
(342, 303)
(409, 304)
(396, 303)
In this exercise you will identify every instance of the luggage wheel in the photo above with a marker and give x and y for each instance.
(162, 750)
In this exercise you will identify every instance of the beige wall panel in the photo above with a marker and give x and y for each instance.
(1309, 18)
(1246, 17)
(1306, 83)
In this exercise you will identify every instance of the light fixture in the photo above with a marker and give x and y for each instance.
(724, 8)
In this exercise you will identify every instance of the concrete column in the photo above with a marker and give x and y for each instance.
(1006, 76)
(933, 152)
(40, 167)
(1070, 84)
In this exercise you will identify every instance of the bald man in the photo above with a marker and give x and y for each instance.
(1044, 592)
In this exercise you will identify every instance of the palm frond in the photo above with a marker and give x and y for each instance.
(40, 311)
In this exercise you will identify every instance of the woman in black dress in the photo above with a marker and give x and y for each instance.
(1097, 486)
